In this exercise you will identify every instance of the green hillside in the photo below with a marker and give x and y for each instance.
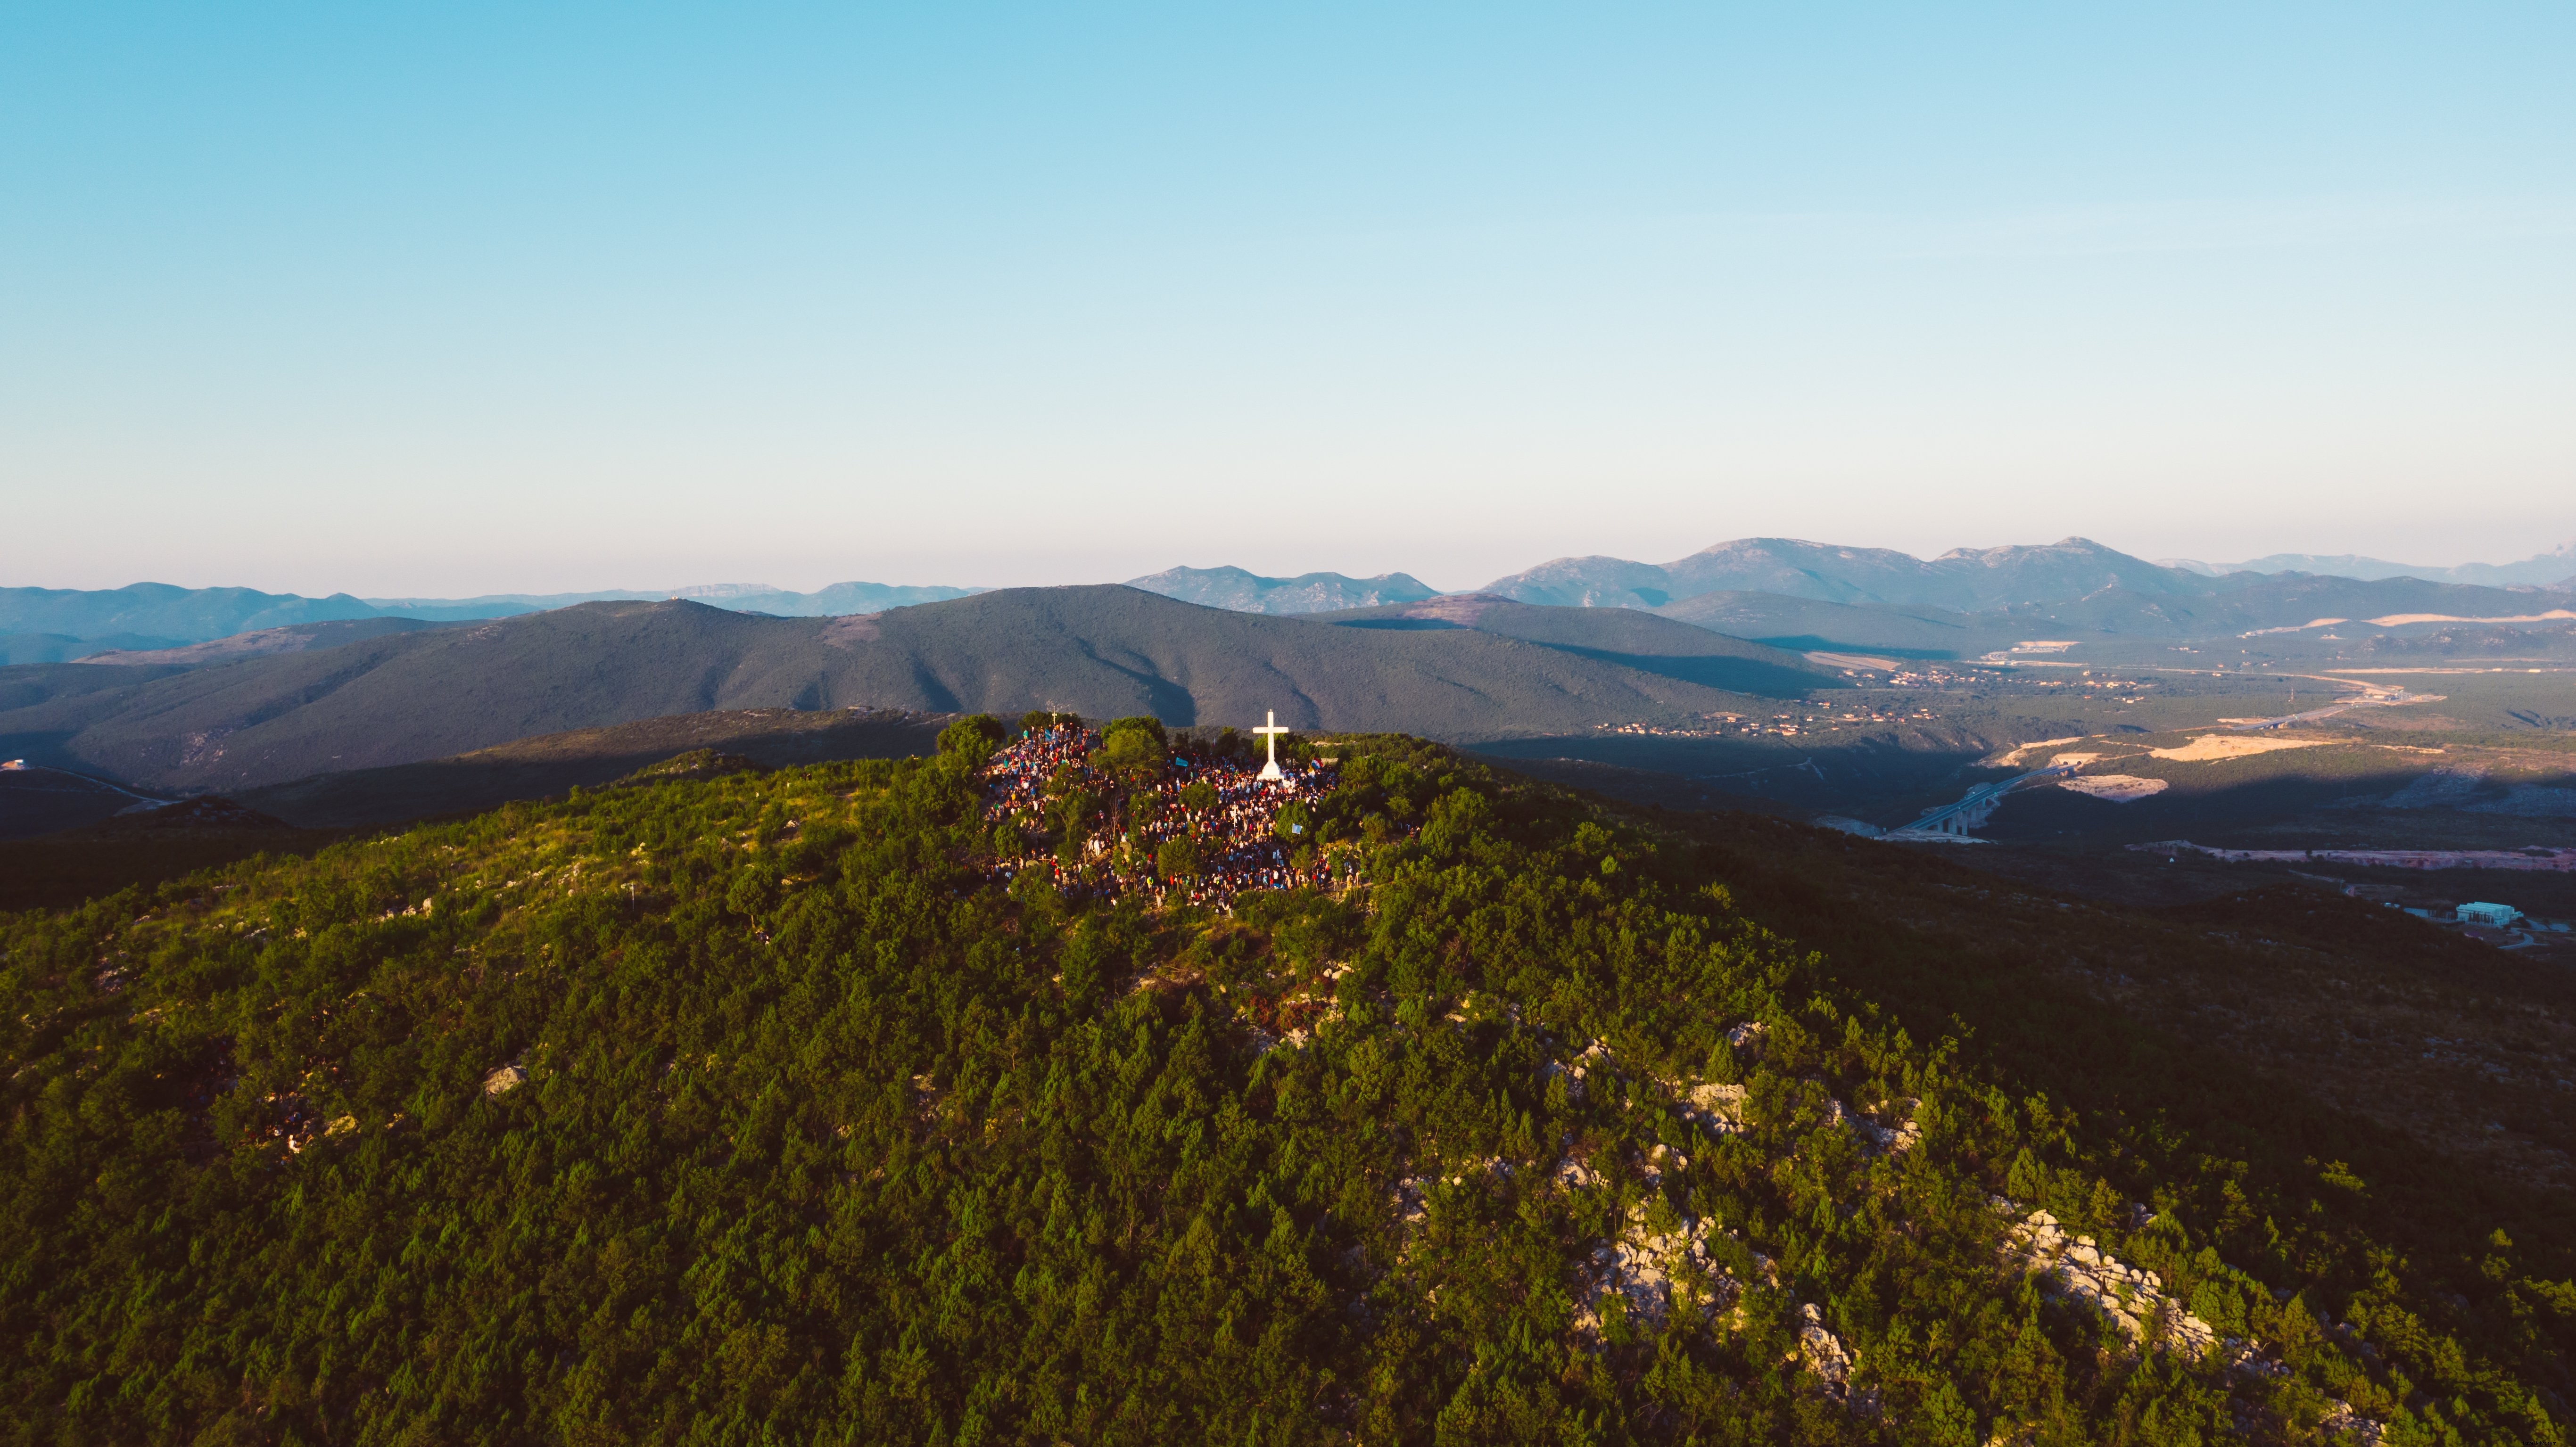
(547, 764)
(740, 1107)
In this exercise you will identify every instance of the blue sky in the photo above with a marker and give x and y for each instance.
(469, 298)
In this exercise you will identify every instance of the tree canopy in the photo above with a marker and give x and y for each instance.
(737, 1107)
(973, 738)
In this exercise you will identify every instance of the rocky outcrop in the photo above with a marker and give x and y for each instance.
(1714, 1106)
(1651, 1271)
(2134, 1300)
(2350, 1425)
(1892, 1128)
(1823, 1353)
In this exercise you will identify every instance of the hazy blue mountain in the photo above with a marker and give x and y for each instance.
(1816, 570)
(2285, 601)
(159, 615)
(1101, 651)
(2556, 566)
(1241, 592)
(159, 612)
(2265, 603)
(1964, 579)
(2067, 568)
(63, 647)
(836, 600)
(1589, 582)
(839, 600)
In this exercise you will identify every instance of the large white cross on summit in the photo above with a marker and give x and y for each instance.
(1270, 737)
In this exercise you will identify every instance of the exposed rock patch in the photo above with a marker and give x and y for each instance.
(2131, 1298)
(1822, 1352)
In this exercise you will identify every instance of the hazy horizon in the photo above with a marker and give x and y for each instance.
(491, 300)
(1442, 584)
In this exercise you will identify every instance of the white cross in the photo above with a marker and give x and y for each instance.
(1270, 737)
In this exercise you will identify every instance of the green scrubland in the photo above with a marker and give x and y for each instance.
(737, 1107)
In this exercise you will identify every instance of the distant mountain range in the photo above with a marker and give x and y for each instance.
(1101, 651)
(2558, 565)
(160, 615)
(1242, 592)
(1964, 579)
(277, 705)
(48, 625)
(43, 625)
(838, 600)
(2124, 622)
(1617, 635)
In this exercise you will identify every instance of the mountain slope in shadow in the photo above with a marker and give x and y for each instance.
(1099, 651)
(534, 768)
(1623, 636)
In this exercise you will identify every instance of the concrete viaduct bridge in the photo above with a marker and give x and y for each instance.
(1979, 804)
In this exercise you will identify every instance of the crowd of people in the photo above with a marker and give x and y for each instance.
(1239, 832)
(1015, 782)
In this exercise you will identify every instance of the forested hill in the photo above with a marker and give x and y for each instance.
(742, 1107)
(1611, 635)
(1103, 652)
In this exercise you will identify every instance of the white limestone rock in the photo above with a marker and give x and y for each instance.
(1652, 1272)
(1411, 1206)
(1822, 1352)
(2131, 1298)
(1891, 1129)
(1715, 1106)
(2344, 1422)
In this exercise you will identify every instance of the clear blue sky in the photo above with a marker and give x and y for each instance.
(475, 298)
